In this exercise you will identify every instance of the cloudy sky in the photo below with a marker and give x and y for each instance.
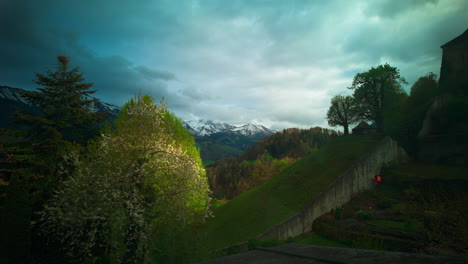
(274, 62)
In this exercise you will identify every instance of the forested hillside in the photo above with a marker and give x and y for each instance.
(222, 145)
(232, 176)
(270, 203)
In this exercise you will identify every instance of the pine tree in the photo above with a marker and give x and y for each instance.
(36, 154)
(36, 149)
(64, 100)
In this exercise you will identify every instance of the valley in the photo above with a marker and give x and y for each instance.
(218, 140)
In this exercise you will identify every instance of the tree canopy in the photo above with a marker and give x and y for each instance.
(424, 89)
(64, 116)
(135, 179)
(65, 105)
(373, 88)
(342, 112)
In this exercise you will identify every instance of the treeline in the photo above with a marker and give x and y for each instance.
(291, 142)
(222, 145)
(232, 176)
(378, 97)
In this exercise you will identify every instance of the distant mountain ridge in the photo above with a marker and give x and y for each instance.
(208, 127)
(10, 98)
(216, 140)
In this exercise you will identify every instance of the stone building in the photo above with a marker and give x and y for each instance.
(454, 68)
(434, 143)
(364, 128)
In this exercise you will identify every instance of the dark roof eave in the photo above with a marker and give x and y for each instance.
(463, 36)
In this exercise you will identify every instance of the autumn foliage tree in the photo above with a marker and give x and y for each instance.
(266, 158)
(132, 182)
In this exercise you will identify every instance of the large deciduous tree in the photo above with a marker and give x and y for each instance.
(424, 89)
(135, 179)
(342, 112)
(372, 88)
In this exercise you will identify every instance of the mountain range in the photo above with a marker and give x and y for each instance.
(202, 127)
(216, 140)
(10, 98)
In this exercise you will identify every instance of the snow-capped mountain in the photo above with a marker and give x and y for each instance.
(102, 107)
(207, 127)
(11, 97)
(12, 94)
(253, 130)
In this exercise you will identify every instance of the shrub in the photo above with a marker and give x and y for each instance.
(135, 186)
(368, 242)
(364, 215)
(385, 203)
(337, 213)
(253, 243)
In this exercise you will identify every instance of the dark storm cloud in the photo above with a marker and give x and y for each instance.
(407, 34)
(276, 62)
(36, 33)
(154, 74)
(391, 8)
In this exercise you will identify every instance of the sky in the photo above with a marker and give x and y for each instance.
(276, 63)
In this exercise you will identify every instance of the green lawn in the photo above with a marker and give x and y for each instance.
(259, 209)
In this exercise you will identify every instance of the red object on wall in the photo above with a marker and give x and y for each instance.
(378, 179)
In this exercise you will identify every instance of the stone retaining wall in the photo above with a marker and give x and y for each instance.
(355, 180)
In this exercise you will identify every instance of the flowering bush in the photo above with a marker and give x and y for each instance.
(133, 180)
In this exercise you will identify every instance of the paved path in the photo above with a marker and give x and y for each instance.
(310, 254)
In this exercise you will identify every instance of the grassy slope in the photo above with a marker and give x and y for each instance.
(408, 213)
(258, 209)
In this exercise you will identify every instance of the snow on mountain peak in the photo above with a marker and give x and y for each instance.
(207, 127)
(252, 129)
(13, 95)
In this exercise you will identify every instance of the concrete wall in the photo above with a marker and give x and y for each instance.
(355, 180)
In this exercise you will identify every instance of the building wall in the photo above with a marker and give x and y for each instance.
(355, 180)
(454, 69)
